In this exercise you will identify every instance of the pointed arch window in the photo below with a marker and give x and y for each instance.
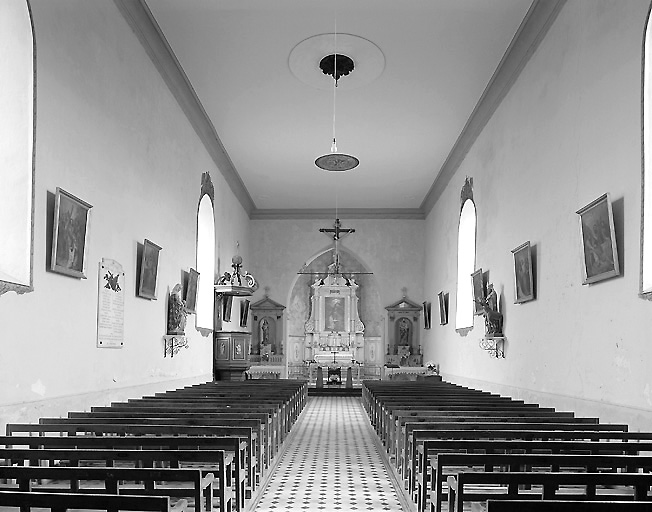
(646, 178)
(465, 258)
(17, 125)
(205, 255)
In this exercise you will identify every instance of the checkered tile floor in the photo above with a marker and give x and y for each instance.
(332, 462)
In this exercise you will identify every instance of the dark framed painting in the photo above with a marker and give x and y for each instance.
(227, 304)
(478, 291)
(148, 270)
(191, 291)
(598, 241)
(427, 315)
(523, 275)
(244, 312)
(443, 308)
(70, 234)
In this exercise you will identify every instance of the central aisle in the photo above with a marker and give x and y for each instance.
(332, 462)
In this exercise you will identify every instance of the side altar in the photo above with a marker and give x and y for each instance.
(334, 331)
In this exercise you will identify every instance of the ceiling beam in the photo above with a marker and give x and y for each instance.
(533, 28)
(142, 22)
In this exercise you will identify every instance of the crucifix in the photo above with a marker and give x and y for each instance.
(337, 230)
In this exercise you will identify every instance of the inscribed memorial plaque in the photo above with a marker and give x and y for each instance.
(110, 305)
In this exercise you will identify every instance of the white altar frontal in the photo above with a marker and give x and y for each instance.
(334, 331)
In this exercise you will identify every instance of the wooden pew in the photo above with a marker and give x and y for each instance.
(57, 501)
(255, 434)
(444, 464)
(244, 466)
(209, 461)
(153, 482)
(573, 443)
(568, 506)
(465, 488)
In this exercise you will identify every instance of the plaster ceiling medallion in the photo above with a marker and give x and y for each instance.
(305, 57)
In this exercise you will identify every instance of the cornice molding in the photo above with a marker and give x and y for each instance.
(535, 25)
(142, 22)
(342, 213)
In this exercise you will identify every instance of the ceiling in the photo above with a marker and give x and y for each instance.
(439, 56)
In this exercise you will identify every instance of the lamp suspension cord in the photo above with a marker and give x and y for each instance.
(334, 146)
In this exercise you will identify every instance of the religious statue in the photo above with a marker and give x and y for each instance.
(176, 312)
(493, 319)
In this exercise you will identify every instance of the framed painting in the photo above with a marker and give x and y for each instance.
(70, 234)
(478, 291)
(523, 275)
(148, 270)
(598, 241)
(427, 315)
(443, 308)
(191, 291)
(238, 349)
(244, 312)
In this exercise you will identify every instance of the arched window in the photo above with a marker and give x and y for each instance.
(205, 255)
(646, 179)
(465, 258)
(17, 104)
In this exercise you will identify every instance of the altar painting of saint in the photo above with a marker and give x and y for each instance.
(334, 314)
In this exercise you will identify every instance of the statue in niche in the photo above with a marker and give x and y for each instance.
(404, 332)
(493, 319)
(176, 312)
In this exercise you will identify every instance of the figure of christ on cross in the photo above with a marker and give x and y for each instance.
(337, 230)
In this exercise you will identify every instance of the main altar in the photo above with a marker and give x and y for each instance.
(334, 333)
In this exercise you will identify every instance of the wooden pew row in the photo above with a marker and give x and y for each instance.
(482, 424)
(568, 506)
(63, 501)
(234, 448)
(406, 423)
(446, 464)
(468, 488)
(255, 436)
(268, 418)
(191, 485)
(573, 443)
(244, 467)
(207, 461)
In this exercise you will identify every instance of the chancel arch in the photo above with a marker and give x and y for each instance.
(370, 310)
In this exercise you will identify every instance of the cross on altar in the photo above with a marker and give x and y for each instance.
(337, 230)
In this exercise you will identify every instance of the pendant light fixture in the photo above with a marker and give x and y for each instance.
(336, 66)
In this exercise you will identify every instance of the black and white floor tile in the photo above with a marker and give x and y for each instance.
(333, 462)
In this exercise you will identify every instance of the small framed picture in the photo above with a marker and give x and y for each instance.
(523, 275)
(148, 270)
(70, 234)
(478, 291)
(443, 308)
(427, 315)
(598, 241)
(244, 312)
(191, 291)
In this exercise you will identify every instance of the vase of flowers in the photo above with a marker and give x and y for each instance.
(432, 367)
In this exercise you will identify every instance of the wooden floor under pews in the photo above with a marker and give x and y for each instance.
(459, 449)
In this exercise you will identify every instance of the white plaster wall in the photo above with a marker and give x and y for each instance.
(110, 132)
(393, 249)
(567, 132)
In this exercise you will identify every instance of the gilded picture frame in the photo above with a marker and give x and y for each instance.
(148, 270)
(70, 234)
(599, 253)
(523, 274)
